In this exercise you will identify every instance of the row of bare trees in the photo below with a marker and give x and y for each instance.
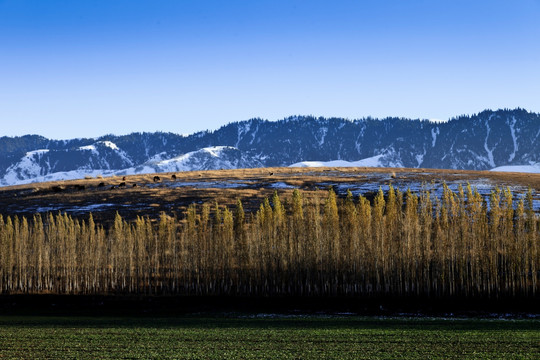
(399, 244)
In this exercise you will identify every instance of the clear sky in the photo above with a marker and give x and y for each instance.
(86, 68)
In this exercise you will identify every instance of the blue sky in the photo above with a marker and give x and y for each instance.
(88, 68)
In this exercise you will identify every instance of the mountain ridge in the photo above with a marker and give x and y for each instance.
(481, 141)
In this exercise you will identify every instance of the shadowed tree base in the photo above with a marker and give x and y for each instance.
(178, 305)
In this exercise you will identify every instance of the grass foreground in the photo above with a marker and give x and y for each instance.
(258, 337)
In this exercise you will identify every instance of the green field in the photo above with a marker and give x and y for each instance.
(266, 338)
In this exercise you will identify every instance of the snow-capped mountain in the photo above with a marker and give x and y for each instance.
(490, 139)
(100, 155)
(209, 158)
(216, 157)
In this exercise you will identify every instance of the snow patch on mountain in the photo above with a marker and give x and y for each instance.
(321, 135)
(210, 158)
(88, 148)
(533, 168)
(158, 157)
(434, 133)
(242, 130)
(79, 174)
(374, 161)
(37, 152)
(107, 144)
(60, 176)
(514, 140)
(216, 151)
(488, 150)
(420, 158)
(28, 167)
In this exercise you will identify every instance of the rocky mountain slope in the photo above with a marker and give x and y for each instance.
(483, 141)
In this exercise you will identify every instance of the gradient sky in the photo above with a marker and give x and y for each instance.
(88, 68)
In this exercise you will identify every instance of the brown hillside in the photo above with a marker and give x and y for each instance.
(104, 197)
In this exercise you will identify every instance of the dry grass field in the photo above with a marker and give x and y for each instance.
(141, 196)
